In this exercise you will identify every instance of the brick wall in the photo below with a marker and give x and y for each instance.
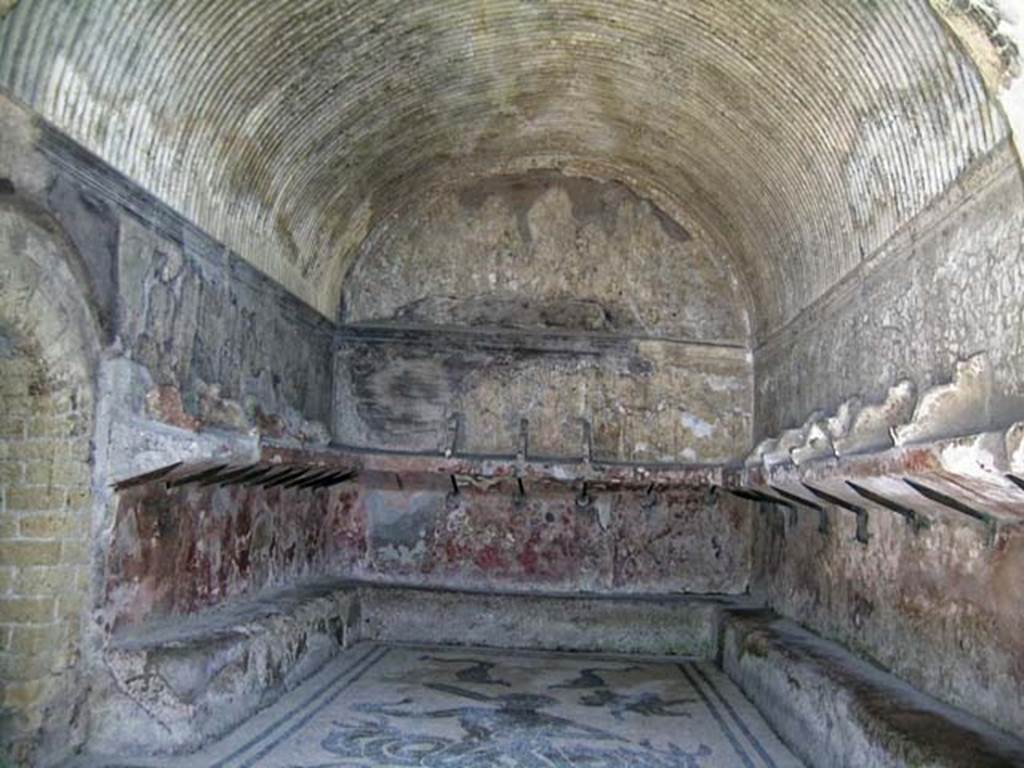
(44, 535)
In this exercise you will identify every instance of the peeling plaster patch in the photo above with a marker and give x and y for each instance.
(992, 31)
(969, 460)
(562, 473)
(197, 327)
(723, 383)
(696, 425)
(400, 555)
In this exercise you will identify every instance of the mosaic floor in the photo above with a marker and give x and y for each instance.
(399, 706)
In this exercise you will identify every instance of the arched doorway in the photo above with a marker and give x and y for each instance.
(47, 351)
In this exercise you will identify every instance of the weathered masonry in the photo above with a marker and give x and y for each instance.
(592, 382)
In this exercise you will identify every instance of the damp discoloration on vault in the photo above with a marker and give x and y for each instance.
(544, 250)
(761, 121)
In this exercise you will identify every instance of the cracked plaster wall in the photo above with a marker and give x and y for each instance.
(547, 251)
(680, 540)
(169, 332)
(552, 299)
(209, 340)
(939, 608)
(947, 288)
(644, 400)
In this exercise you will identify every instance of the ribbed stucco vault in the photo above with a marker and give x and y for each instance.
(798, 135)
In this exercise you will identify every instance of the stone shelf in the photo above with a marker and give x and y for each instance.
(289, 465)
(974, 477)
(608, 475)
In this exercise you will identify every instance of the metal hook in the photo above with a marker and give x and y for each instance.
(583, 499)
(520, 500)
(650, 502)
(453, 497)
(588, 441)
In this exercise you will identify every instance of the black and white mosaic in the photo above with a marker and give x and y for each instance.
(406, 707)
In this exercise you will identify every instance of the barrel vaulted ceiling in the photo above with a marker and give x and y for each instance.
(799, 134)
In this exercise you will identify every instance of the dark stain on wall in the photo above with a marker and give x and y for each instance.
(190, 310)
(93, 226)
(504, 310)
(653, 401)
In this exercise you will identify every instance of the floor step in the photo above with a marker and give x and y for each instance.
(683, 625)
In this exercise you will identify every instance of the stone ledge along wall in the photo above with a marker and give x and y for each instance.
(939, 608)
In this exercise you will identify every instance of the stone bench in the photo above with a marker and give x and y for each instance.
(834, 709)
(179, 682)
(176, 683)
